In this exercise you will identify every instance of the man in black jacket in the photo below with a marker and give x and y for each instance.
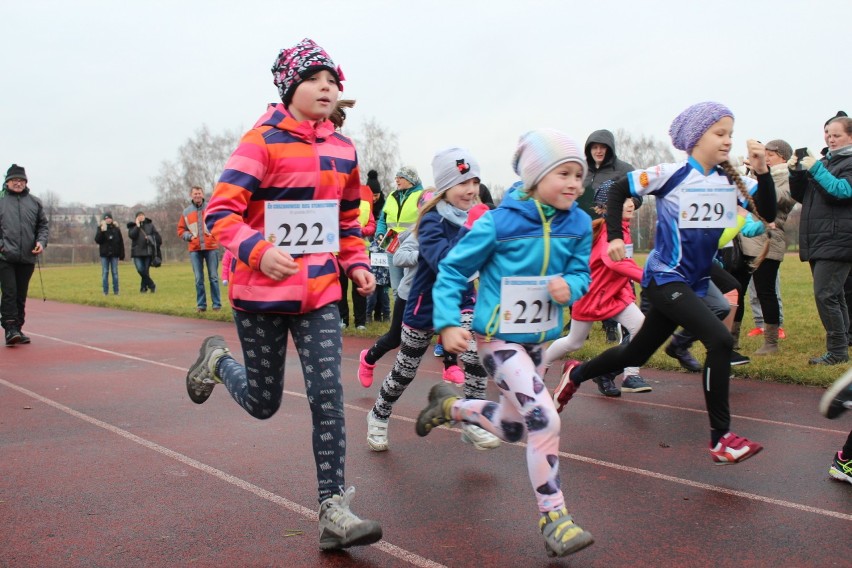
(111, 244)
(23, 236)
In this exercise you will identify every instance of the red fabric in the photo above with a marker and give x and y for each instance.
(475, 213)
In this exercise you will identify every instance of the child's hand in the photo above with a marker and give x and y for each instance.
(615, 250)
(559, 290)
(364, 281)
(475, 213)
(757, 156)
(455, 339)
(278, 265)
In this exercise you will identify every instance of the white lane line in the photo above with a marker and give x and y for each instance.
(619, 467)
(310, 514)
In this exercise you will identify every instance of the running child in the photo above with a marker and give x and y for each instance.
(292, 161)
(610, 297)
(438, 229)
(696, 201)
(532, 255)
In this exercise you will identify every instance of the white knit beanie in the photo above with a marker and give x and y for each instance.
(451, 167)
(539, 151)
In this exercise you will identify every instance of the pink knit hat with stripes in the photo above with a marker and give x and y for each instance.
(539, 151)
(295, 64)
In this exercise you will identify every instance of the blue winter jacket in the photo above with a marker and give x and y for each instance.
(513, 240)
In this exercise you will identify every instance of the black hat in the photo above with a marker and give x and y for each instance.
(372, 174)
(107, 215)
(839, 114)
(16, 172)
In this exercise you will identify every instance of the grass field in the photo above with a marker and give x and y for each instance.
(81, 284)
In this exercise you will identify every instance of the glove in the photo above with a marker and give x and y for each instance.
(791, 163)
(475, 213)
(808, 162)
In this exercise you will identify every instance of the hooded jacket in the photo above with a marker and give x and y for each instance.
(283, 159)
(610, 169)
(825, 192)
(778, 244)
(139, 238)
(111, 243)
(513, 240)
(22, 224)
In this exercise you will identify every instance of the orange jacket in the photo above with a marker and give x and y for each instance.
(191, 225)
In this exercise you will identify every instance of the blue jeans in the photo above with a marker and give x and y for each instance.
(143, 266)
(109, 264)
(198, 258)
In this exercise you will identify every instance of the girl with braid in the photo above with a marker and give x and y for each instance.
(696, 200)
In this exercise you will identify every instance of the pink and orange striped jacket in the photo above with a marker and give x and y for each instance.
(282, 159)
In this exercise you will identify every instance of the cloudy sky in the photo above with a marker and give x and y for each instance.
(96, 94)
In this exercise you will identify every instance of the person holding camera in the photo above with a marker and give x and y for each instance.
(824, 188)
(144, 242)
(111, 245)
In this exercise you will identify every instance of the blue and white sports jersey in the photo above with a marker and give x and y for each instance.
(681, 254)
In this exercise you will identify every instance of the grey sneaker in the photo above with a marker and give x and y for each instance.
(441, 399)
(561, 535)
(202, 377)
(635, 383)
(481, 438)
(340, 528)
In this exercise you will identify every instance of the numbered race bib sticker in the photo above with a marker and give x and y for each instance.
(301, 227)
(526, 305)
(708, 207)
(628, 251)
(378, 259)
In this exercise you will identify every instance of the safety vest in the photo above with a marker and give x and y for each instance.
(398, 220)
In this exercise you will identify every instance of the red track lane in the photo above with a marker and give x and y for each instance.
(104, 461)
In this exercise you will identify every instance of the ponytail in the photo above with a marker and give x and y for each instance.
(734, 176)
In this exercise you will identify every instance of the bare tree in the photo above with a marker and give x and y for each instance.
(378, 149)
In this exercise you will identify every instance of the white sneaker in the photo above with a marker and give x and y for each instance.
(340, 528)
(480, 438)
(377, 433)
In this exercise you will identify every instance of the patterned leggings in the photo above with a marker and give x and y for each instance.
(415, 342)
(525, 407)
(259, 385)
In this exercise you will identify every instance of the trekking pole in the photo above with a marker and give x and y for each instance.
(38, 263)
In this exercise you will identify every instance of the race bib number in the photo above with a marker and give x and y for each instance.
(628, 250)
(301, 227)
(378, 259)
(708, 207)
(526, 305)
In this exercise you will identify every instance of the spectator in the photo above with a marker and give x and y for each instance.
(144, 240)
(399, 213)
(359, 302)
(825, 234)
(203, 248)
(111, 247)
(23, 236)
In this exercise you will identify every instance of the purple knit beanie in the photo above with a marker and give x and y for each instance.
(539, 151)
(295, 64)
(691, 124)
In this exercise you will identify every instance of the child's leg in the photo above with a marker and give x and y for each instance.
(475, 377)
(571, 342)
(258, 385)
(392, 338)
(414, 345)
(319, 344)
(525, 407)
(631, 318)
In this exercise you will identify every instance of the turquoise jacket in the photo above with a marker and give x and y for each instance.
(514, 240)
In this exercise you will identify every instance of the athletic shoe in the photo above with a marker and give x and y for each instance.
(340, 528)
(606, 385)
(841, 469)
(13, 337)
(824, 359)
(365, 370)
(481, 438)
(453, 375)
(24, 338)
(732, 449)
(635, 383)
(838, 397)
(781, 333)
(738, 358)
(377, 433)
(437, 412)
(202, 377)
(561, 535)
(684, 357)
(566, 387)
(361, 328)
(439, 350)
(755, 332)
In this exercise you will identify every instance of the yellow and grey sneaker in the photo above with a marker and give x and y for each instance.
(441, 399)
(202, 377)
(561, 535)
(340, 528)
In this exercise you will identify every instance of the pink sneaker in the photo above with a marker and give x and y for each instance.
(454, 375)
(733, 449)
(365, 370)
(565, 389)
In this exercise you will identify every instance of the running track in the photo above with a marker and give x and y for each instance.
(104, 461)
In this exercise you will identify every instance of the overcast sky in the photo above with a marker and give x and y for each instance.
(96, 94)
